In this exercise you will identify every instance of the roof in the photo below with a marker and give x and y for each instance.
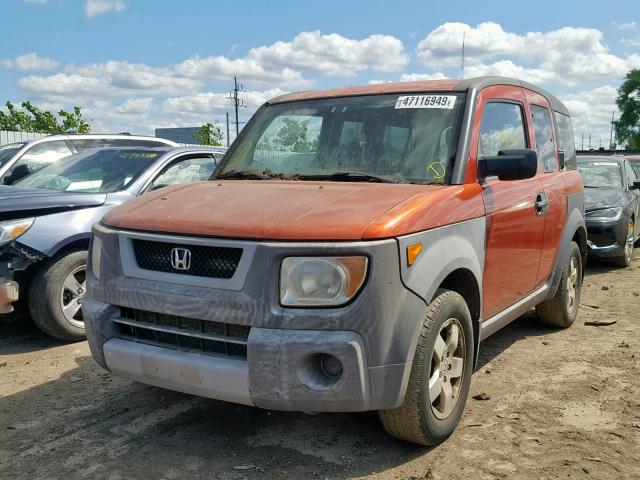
(600, 158)
(465, 85)
(93, 136)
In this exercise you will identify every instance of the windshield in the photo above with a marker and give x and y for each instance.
(398, 138)
(600, 174)
(98, 171)
(8, 151)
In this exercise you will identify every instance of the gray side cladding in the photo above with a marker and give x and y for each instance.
(445, 249)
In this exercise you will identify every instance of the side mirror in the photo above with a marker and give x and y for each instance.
(561, 159)
(635, 185)
(17, 173)
(510, 164)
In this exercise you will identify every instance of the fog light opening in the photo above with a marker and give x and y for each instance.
(331, 366)
(319, 371)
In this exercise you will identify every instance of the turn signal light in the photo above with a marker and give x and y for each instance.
(412, 253)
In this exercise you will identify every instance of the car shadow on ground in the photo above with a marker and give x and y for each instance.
(21, 335)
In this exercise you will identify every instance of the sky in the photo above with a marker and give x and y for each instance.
(135, 65)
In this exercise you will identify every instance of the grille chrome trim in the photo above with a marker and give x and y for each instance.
(179, 331)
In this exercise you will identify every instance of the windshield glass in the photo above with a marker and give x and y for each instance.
(600, 174)
(8, 151)
(98, 171)
(398, 138)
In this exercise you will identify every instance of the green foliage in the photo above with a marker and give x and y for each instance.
(209, 134)
(292, 136)
(628, 101)
(32, 119)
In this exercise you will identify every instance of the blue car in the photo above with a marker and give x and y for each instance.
(46, 219)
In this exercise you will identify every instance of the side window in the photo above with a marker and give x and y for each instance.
(502, 128)
(193, 169)
(42, 155)
(565, 140)
(631, 175)
(542, 129)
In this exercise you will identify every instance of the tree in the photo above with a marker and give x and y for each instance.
(628, 101)
(209, 134)
(32, 119)
(292, 136)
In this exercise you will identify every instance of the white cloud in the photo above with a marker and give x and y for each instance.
(333, 54)
(568, 56)
(591, 114)
(30, 62)
(625, 25)
(98, 7)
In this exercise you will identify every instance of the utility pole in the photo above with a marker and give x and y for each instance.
(462, 57)
(237, 102)
(226, 114)
(611, 145)
(589, 141)
(582, 145)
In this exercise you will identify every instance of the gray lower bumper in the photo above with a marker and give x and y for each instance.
(212, 377)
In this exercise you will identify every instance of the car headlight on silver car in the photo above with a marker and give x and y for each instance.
(606, 214)
(321, 281)
(12, 229)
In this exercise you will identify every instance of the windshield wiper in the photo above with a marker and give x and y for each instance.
(348, 177)
(241, 175)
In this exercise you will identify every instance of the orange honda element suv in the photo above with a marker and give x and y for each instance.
(350, 252)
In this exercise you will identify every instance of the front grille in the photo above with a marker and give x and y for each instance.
(203, 261)
(213, 338)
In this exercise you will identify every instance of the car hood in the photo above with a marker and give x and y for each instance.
(281, 210)
(16, 202)
(598, 198)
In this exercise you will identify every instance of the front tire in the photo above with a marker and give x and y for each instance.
(440, 375)
(562, 310)
(625, 259)
(56, 294)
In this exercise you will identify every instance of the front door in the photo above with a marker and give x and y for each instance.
(514, 226)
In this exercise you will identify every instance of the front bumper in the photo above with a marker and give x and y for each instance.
(373, 337)
(607, 239)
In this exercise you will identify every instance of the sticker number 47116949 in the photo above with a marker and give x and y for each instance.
(426, 101)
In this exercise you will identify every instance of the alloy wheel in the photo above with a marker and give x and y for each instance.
(72, 294)
(628, 246)
(572, 285)
(447, 367)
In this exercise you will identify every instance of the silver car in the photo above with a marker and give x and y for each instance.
(46, 219)
(17, 160)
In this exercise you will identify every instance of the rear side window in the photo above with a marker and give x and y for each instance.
(542, 129)
(502, 128)
(565, 140)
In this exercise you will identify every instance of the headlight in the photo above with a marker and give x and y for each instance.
(12, 229)
(609, 214)
(321, 281)
(96, 256)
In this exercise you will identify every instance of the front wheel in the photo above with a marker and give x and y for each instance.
(625, 259)
(55, 296)
(440, 375)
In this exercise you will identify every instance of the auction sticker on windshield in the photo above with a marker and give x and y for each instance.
(426, 101)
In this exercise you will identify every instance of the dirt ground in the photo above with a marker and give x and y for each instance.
(562, 404)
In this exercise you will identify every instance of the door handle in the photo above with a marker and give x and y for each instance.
(542, 204)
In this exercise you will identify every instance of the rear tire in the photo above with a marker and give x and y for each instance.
(562, 310)
(440, 375)
(58, 287)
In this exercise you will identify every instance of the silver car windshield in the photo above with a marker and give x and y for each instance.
(407, 138)
(600, 174)
(97, 171)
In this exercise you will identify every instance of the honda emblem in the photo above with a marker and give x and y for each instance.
(181, 258)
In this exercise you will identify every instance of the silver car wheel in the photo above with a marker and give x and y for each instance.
(572, 284)
(447, 366)
(628, 246)
(71, 295)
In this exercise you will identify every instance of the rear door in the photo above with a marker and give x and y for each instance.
(514, 230)
(553, 187)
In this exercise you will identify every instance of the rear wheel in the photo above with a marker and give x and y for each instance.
(440, 375)
(562, 309)
(625, 260)
(56, 294)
